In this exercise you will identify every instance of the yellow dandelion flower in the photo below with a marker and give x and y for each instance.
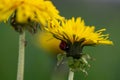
(24, 11)
(74, 35)
(48, 42)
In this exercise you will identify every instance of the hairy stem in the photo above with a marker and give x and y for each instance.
(71, 75)
(20, 70)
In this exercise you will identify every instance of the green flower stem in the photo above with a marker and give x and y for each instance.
(71, 75)
(20, 71)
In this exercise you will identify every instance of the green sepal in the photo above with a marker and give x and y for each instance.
(60, 58)
(79, 64)
(75, 64)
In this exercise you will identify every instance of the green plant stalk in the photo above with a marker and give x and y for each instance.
(20, 70)
(71, 75)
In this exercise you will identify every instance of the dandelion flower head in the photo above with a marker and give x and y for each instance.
(74, 35)
(26, 11)
(38, 10)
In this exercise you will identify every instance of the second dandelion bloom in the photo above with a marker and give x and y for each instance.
(28, 11)
(74, 36)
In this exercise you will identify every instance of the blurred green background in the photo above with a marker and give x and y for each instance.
(41, 66)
